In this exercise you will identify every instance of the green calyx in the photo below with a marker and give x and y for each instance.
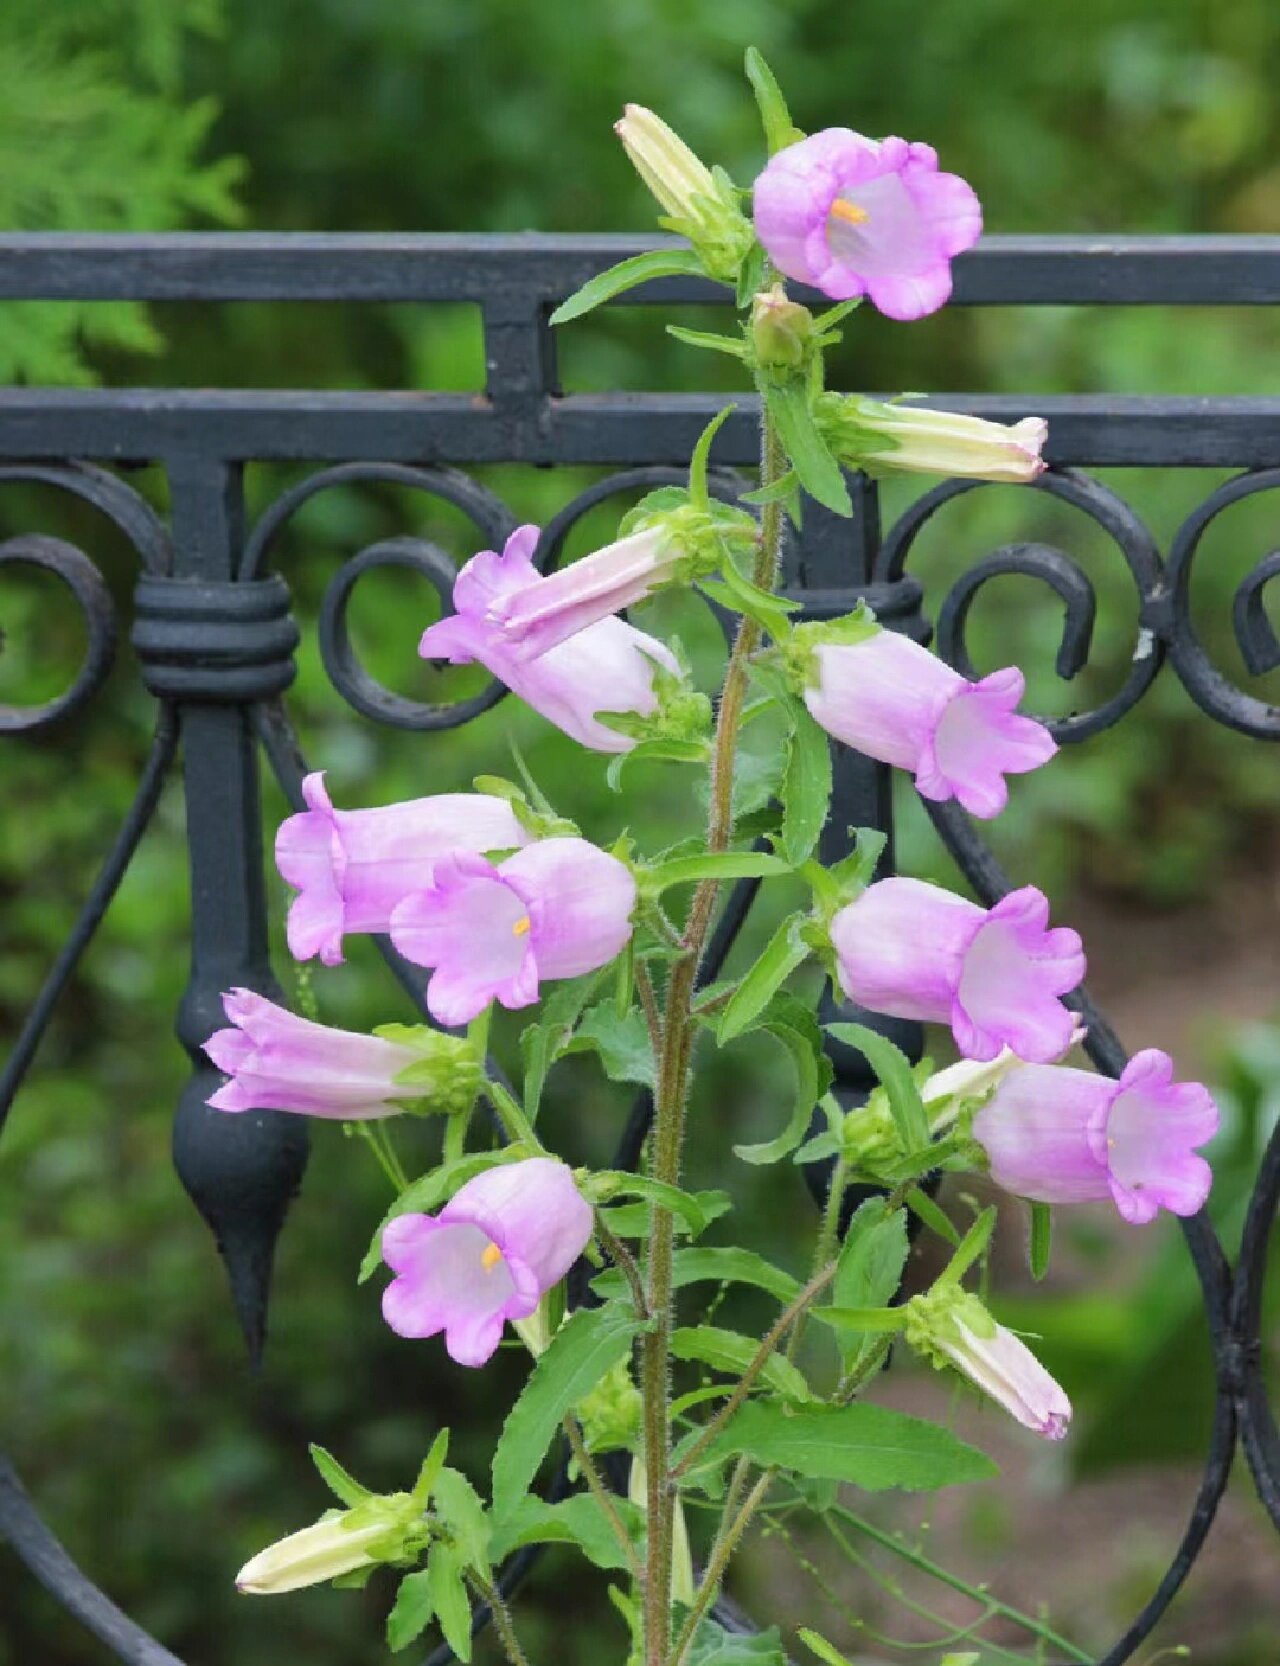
(798, 655)
(445, 1077)
(721, 235)
(681, 717)
(783, 333)
(934, 1320)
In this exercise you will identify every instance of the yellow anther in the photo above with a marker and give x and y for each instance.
(849, 212)
(1111, 1143)
(491, 1257)
(521, 927)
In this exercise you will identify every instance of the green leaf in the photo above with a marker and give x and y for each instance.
(893, 1067)
(777, 491)
(806, 786)
(579, 1521)
(411, 1614)
(726, 1350)
(657, 263)
(788, 406)
(785, 951)
(1040, 1242)
(582, 1351)
(542, 1043)
(343, 1486)
(733, 345)
(869, 1446)
(459, 1506)
(869, 1269)
(779, 129)
(726, 864)
(430, 1190)
(972, 1246)
(448, 1593)
(713, 1266)
(750, 276)
(429, 1474)
(923, 1206)
(796, 1029)
(856, 1322)
(696, 1209)
(714, 1646)
(818, 1645)
(653, 751)
(698, 493)
(623, 1044)
(733, 590)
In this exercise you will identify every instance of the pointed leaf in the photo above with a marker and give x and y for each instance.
(459, 1506)
(542, 1043)
(582, 1351)
(869, 1446)
(656, 263)
(448, 1593)
(813, 1078)
(779, 129)
(623, 1044)
(412, 1612)
(893, 1067)
(579, 1521)
(869, 1270)
(714, 343)
(725, 864)
(806, 785)
(788, 406)
(713, 1645)
(785, 951)
(726, 1350)
(345, 1487)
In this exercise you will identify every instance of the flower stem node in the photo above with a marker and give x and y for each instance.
(700, 203)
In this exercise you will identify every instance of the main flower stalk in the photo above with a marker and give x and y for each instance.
(673, 1074)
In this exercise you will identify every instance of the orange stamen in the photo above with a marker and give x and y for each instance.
(490, 1258)
(849, 212)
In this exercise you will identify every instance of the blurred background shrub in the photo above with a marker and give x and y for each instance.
(125, 1398)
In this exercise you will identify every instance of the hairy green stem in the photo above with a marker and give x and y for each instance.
(503, 1623)
(788, 1317)
(603, 1497)
(721, 1556)
(673, 1070)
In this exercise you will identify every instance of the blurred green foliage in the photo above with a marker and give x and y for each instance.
(125, 1398)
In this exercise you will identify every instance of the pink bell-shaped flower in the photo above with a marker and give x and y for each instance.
(1067, 1136)
(351, 867)
(557, 909)
(607, 667)
(855, 217)
(896, 702)
(500, 1242)
(913, 950)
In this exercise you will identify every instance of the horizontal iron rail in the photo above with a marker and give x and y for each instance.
(138, 425)
(431, 266)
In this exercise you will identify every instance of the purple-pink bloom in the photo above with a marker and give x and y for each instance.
(896, 702)
(540, 615)
(1067, 1136)
(557, 909)
(500, 1242)
(351, 867)
(607, 667)
(855, 217)
(1002, 1366)
(913, 950)
(277, 1061)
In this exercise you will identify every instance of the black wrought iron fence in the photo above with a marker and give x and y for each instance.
(214, 641)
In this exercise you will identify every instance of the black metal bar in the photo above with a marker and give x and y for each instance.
(433, 266)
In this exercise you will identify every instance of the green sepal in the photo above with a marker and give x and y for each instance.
(628, 274)
(779, 129)
(342, 1485)
(733, 345)
(787, 402)
(1040, 1240)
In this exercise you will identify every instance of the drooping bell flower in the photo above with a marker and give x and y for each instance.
(913, 950)
(500, 1242)
(607, 667)
(1059, 1135)
(275, 1060)
(868, 434)
(896, 702)
(557, 909)
(351, 867)
(952, 1327)
(855, 217)
(540, 615)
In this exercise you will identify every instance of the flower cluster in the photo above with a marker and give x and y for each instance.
(497, 896)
